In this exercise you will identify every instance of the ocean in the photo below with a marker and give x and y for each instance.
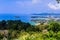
(24, 17)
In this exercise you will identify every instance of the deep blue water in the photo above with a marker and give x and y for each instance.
(23, 17)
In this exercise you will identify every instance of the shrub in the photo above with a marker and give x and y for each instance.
(54, 26)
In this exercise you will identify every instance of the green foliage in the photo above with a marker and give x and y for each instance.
(58, 35)
(54, 26)
(25, 31)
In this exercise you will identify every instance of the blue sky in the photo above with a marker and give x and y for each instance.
(29, 6)
(24, 7)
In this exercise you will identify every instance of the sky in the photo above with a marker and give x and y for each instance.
(25, 7)
(29, 6)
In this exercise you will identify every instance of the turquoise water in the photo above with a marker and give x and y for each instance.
(23, 17)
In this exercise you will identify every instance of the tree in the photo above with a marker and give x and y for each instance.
(3, 24)
(54, 26)
(58, 1)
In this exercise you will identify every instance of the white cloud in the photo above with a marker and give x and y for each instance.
(27, 3)
(36, 1)
(54, 6)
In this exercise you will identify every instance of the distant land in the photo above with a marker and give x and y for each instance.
(23, 17)
(46, 14)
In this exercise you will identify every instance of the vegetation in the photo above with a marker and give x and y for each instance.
(16, 29)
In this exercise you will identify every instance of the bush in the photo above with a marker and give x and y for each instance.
(54, 26)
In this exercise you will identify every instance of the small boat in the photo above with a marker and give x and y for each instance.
(16, 16)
